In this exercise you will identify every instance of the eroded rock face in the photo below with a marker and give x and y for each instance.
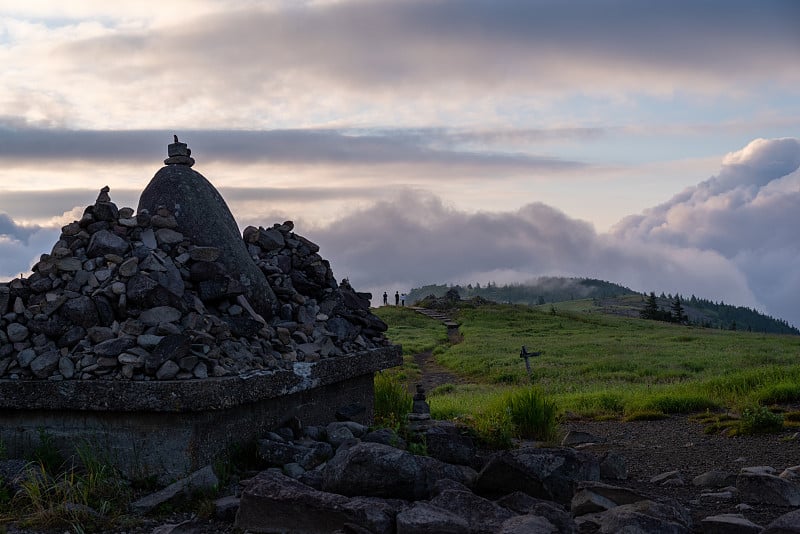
(124, 296)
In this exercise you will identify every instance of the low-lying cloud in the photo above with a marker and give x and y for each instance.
(416, 239)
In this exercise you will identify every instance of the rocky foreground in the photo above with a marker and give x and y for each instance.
(344, 478)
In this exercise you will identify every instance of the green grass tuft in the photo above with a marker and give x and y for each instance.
(532, 414)
(392, 401)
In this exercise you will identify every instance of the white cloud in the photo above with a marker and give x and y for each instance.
(747, 214)
(18, 256)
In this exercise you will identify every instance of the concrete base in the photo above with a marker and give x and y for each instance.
(144, 435)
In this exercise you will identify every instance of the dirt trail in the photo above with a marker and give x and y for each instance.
(433, 374)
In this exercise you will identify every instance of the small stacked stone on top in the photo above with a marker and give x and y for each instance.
(126, 296)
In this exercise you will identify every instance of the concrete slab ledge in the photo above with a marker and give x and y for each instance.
(191, 395)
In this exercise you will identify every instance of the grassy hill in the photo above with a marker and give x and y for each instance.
(599, 362)
(612, 298)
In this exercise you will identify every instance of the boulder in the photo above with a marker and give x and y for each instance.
(374, 470)
(81, 311)
(204, 218)
(576, 437)
(643, 516)
(273, 502)
(44, 364)
(762, 485)
(308, 456)
(788, 523)
(5, 297)
(105, 242)
(614, 465)
(528, 524)
(714, 479)
(524, 504)
(545, 473)
(482, 515)
(729, 524)
(445, 442)
(199, 481)
(435, 470)
(425, 518)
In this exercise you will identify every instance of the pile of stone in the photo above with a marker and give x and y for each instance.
(346, 478)
(127, 296)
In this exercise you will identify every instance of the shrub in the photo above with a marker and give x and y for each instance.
(760, 420)
(532, 414)
(392, 401)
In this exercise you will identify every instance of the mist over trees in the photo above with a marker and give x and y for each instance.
(537, 292)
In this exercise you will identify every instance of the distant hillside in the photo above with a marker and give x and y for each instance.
(709, 314)
(541, 291)
(613, 298)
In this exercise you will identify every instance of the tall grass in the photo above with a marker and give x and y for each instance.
(498, 414)
(392, 401)
(85, 497)
(532, 414)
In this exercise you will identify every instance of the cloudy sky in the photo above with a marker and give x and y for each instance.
(653, 144)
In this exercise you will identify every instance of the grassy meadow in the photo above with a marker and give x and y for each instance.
(597, 364)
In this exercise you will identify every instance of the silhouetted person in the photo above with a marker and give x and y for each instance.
(385, 298)
(397, 298)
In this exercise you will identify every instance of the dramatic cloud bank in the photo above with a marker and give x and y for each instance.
(733, 238)
(415, 240)
(748, 214)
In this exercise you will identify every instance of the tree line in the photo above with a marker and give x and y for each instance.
(709, 314)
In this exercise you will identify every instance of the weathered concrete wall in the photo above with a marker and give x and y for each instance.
(144, 434)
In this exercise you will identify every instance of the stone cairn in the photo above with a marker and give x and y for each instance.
(125, 296)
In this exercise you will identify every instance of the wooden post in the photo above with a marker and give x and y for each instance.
(525, 355)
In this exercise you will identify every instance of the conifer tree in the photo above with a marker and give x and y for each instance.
(678, 315)
(650, 310)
